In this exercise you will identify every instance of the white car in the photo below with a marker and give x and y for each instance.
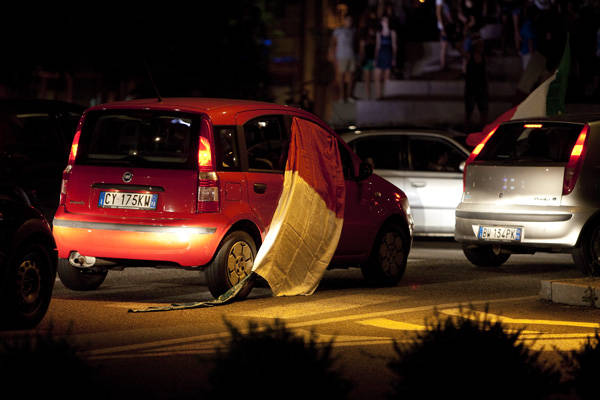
(426, 165)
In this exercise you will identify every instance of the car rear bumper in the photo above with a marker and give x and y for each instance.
(173, 242)
(558, 227)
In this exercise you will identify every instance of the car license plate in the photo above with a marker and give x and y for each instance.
(500, 233)
(135, 201)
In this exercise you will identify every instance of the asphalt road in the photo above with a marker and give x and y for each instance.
(160, 354)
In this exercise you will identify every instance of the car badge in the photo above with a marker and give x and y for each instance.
(127, 177)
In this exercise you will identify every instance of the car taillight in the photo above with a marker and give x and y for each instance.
(67, 171)
(208, 181)
(476, 152)
(575, 161)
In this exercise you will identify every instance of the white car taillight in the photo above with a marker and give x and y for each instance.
(575, 161)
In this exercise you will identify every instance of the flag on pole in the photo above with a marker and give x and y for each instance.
(546, 100)
(307, 223)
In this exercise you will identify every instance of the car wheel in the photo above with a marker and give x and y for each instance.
(587, 255)
(485, 256)
(29, 287)
(232, 263)
(387, 261)
(81, 279)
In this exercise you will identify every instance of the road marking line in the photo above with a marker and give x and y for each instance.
(391, 324)
(499, 318)
(168, 342)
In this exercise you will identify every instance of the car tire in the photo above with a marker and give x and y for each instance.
(587, 255)
(80, 279)
(233, 261)
(485, 256)
(30, 281)
(387, 261)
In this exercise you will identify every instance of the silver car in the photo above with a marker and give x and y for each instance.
(533, 185)
(426, 165)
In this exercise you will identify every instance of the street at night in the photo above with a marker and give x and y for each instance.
(166, 354)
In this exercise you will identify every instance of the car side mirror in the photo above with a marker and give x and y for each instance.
(365, 170)
(461, 166)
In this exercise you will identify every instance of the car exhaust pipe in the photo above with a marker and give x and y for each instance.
(81, 261)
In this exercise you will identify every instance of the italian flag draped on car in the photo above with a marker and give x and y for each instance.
(307, 223)
(546, 100)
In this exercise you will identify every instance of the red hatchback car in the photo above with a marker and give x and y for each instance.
(194, 183)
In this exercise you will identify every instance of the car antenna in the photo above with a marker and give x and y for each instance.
(152, 80)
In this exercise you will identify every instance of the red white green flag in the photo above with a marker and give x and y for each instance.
(307, 223)
(546, 100)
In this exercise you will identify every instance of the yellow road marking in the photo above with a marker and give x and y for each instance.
(391, 324)
(524, 321)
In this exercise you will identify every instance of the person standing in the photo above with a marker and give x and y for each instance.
(341, 51)
(367, 57)
(385, 55)
(476, 83)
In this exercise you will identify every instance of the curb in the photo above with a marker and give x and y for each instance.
(576, 292)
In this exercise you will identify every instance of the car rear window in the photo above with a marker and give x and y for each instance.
(152, 139)
(531, 142)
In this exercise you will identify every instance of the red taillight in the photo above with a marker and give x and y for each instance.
(74, 147)
(208, 181)
(476, 152)
(575, 161)
(67, 171)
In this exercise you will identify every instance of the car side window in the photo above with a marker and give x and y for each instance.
(434, 154)
(266, 143)
(226, 148)
(382, 152)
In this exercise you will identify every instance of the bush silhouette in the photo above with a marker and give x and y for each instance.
(42, 365)
(582, 367)
(469, 357)
(273, 362)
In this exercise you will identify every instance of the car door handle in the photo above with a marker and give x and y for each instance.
(260, 188)
(418, 184)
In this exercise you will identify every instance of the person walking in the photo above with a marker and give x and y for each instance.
(385, 53)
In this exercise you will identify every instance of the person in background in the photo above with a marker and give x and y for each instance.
(476, 83)
(385, 55)
(341, 52)
(526, 36)
(448, 28)
(366, 56)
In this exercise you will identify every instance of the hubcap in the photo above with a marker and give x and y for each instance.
(239, 262)
(391, 253)
(28, 282)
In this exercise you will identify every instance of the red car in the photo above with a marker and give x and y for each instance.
(194, 183)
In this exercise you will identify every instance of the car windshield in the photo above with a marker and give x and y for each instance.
(531, 142)
(137, 138)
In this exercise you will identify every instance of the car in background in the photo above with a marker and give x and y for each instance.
(425, 164)
(533, 185)
(193, 183)
(27, 261)
(35, 139)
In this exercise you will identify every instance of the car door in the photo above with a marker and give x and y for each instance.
(266, 142)
(434, 186)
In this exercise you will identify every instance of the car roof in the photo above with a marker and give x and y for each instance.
(221, 111)
(575, 118)
(400, 131)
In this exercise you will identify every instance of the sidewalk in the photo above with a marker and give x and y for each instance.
(576, 292)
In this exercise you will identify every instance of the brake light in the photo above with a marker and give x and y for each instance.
(67, 171)
(573, 167)
(208, 181)
(476, 152)
(74, 147)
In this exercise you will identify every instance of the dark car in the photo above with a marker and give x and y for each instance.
(35, 140)
(27, 261)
